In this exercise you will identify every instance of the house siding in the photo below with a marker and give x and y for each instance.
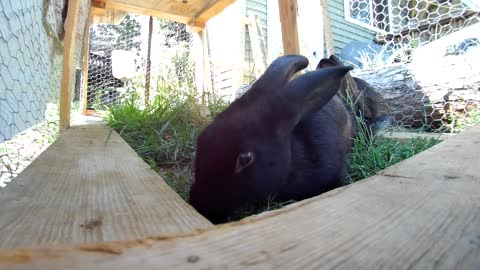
(253, 8)
(344, 31)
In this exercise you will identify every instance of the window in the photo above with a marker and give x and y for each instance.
(372, 14)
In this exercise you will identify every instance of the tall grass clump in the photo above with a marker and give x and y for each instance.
(164, 133)
(373, 153)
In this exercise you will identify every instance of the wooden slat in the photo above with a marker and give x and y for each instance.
(212, 10)
(82, 190)
(98, 8)
(86, 52)
(68, 63)
(423, 213)
(407, 136)
(327, 29)
(141, 9)
(206, 80)
(193, 12)
(288, 19)
(257, 40)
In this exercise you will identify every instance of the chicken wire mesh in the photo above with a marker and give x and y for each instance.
(425, 61)
(140, 57)
(31, 57)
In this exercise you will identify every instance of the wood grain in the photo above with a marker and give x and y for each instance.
(327, 29)
(288, 20)
(193, 12)
(407, 136)
(68, 63)
(423, 213)
(82, 190)
(86, 54)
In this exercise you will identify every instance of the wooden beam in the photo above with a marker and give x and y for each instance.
(206, 72)
(98, 8)
(327, 29)
(407, 136)
(129, 8)
(148, 68)
(68, 63)
(422, 213)
(212, 10)
(288, 18)
(110, 16)
(258, 45)
(195, 27)
(86, 52)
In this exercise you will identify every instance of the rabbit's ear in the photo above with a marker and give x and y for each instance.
(279, 73)
(336, 61)
(325, 63)
(333, 61)
(311, 91)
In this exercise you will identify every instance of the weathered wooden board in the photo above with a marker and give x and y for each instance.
(407, 136)
(288, 20)
(68, 63)
(423, 213)
(82, 190)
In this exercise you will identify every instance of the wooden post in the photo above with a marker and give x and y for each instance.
(149, 62)
(68, 63)
(327, 30)
(86, 53)
(288, 20)
(257, 40)
(206, 80)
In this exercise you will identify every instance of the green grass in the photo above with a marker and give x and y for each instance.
(370, 156)
(164, 133)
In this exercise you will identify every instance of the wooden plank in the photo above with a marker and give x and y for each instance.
(86, 52)
(422, 213)
(407, 136)
(110, 16)
(68, 63)
(327, 29)
(258, 45)
(89, 187)
(140, 8)
(98, 8)
(195, 27)
(206, 81)
(188, 11)
(211, 10)
(288, 19)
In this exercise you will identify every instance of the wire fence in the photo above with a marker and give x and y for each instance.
(424, 60)
(142, 56)
(29, 87)
(31, 57)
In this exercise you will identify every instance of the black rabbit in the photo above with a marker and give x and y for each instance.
(287, 139)
(365, 102)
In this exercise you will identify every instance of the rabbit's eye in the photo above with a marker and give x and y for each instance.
(243, 161)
